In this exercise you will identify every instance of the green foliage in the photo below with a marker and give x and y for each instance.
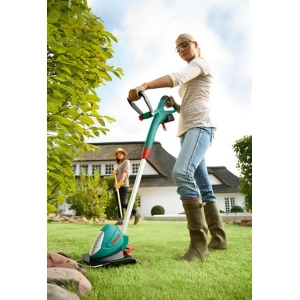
(157, 210)
(236, 208)
(95, 197)
(111, 210)
(243, 152)
(92, 195)
(78, 47)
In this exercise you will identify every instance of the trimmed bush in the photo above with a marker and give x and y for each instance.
(236, 209)
(157, 210)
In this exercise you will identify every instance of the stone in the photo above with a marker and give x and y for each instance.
(61, 261)
(55, 292)
(61, 276)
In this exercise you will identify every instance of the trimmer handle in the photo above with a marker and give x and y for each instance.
(160, 117)
(134, 106)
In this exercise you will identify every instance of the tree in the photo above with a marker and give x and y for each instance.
(92, 195)
(77, 49)
(243, 152)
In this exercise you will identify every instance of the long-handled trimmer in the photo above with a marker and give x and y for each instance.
(118, 195)
(110, 245)
(160, 116)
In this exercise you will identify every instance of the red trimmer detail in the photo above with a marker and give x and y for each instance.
(146, 152)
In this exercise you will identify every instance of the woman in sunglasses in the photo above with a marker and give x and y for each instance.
(196, 132)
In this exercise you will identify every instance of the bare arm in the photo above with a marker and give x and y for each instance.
(161, 82)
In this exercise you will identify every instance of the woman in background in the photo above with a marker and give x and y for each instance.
(122, 172)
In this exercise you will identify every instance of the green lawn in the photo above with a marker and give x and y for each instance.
(157, 274)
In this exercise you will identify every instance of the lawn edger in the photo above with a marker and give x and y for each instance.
(110, 247)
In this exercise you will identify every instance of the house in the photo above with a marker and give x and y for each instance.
(157, 186)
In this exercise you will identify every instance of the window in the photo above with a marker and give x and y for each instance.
(138, 201)
(232, 202)
(227, 208)
(96, 167)
(229, 203)
(85, 167)
(108, 169)
(74, 169)
(135, 168)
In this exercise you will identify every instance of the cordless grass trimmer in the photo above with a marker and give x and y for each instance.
(160, 117)
(110, 247)
(118, 195)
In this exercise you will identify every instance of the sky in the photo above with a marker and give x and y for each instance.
(146, 33)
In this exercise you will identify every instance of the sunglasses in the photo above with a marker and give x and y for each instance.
(183, 46)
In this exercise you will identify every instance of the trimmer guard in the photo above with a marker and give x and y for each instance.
(118, 258)
(109, 248)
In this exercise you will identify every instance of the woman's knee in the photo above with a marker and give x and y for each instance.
(180, 176)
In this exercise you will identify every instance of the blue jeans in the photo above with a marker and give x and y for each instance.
(190, 171)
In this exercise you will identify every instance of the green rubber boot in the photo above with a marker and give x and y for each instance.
(197, 228)
(216, 227)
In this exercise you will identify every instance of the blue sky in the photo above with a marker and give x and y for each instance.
(146, 33)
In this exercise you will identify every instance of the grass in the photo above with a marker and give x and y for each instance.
(157, 274)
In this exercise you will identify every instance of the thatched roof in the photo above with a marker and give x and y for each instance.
(162, 162)
(229, 181)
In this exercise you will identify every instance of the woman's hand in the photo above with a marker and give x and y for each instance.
(170, 103)
(119, 184)
(133, 94)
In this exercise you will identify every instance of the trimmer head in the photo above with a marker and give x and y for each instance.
(109, 249)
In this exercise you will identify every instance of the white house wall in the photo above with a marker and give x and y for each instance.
(147, 169)
(214, 180)
(170, 200)
(164, 196)
(238, 199)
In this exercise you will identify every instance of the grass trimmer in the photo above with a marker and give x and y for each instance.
(160, 116)
(110, 247)
(119, 201)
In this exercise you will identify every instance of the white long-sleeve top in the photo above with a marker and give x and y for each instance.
(195, 84)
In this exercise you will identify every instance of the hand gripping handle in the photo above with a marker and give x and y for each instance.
(134, 106)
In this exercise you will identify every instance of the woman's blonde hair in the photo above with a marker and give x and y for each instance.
(191, 38)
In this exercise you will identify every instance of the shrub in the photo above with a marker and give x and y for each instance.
(236, 209)
(157, 210)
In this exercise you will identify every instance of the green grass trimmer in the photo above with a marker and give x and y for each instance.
(110, 247)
